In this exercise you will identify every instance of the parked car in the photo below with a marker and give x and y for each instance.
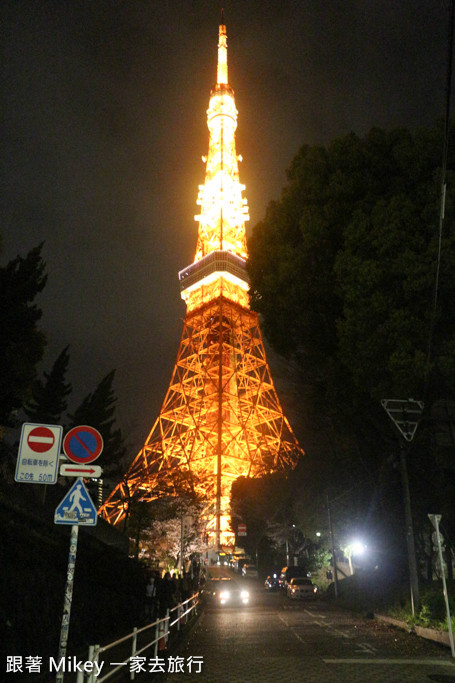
(249, 571)
(223, 591)
(272, 582)
(288, 573)
(301, 587)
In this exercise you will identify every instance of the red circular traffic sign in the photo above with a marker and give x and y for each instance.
(40, 439)
(83, 444)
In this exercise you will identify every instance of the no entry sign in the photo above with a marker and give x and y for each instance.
(41, 439)
(39, 450)
(83, 444)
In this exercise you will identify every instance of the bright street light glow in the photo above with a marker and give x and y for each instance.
(358, 548)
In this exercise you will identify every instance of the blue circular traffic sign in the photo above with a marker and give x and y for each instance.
(83, 444)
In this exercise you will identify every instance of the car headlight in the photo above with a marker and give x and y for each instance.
(225, 595)
(244, 594)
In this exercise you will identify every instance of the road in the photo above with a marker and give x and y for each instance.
(278, 640)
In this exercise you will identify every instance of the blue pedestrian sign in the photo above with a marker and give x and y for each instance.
(77, 507)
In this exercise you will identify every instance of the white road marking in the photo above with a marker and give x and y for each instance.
(314, 615)
(364, 647)
(417, 661)
(291, 628)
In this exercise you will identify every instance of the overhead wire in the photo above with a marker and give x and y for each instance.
(445, 151)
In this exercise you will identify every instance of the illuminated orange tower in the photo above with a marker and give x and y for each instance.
(221, 416)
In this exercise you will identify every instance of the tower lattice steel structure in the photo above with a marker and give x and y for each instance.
(221, 417)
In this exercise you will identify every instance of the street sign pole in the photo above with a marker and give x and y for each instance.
(414, 578)
(435, 519)
(405, 414)
(82, 445)
(64, 630)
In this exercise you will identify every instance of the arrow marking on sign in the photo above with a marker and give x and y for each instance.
(76, 470)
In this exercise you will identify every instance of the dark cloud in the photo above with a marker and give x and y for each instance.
(104, 125)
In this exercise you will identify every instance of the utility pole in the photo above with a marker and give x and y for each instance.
(413, 573)
(406, 414)
(332, 540)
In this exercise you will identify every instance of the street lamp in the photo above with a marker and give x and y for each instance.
(355, 548)
(358, 548)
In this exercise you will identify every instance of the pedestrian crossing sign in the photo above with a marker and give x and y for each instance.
(76, 507)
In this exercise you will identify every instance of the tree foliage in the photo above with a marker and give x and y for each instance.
(48, 401)
(21, 341)
(163, 529)
(342, 271)
(98, 410)
(259, 503)
(343, 266)
(22, 345)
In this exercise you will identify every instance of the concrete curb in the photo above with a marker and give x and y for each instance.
(394, 622)
(433, 634)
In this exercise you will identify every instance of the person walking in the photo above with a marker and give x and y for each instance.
(165, 595)
(150, 598)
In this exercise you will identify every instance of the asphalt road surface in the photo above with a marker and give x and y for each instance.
(278, 640)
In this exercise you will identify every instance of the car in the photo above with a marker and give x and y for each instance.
(249, 571)
(272, 582)
(301, 587)
(224, 591)
(288, 573)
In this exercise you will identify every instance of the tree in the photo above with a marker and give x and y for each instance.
(48, 401)
(98, 410)
(162, 529)
(21, 341)
(263, 504)
(279, 516)
(342, 270)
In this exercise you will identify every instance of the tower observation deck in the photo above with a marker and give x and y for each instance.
(221, 417)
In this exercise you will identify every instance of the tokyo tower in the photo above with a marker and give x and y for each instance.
(221, 417)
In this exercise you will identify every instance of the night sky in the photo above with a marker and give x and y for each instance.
(104, 125)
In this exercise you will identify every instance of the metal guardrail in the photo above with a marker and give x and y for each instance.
(161, 629)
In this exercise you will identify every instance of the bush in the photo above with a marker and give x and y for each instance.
(433, 611)
(377, 592)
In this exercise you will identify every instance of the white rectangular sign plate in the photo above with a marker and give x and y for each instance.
(38, 456)
(71, 469)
